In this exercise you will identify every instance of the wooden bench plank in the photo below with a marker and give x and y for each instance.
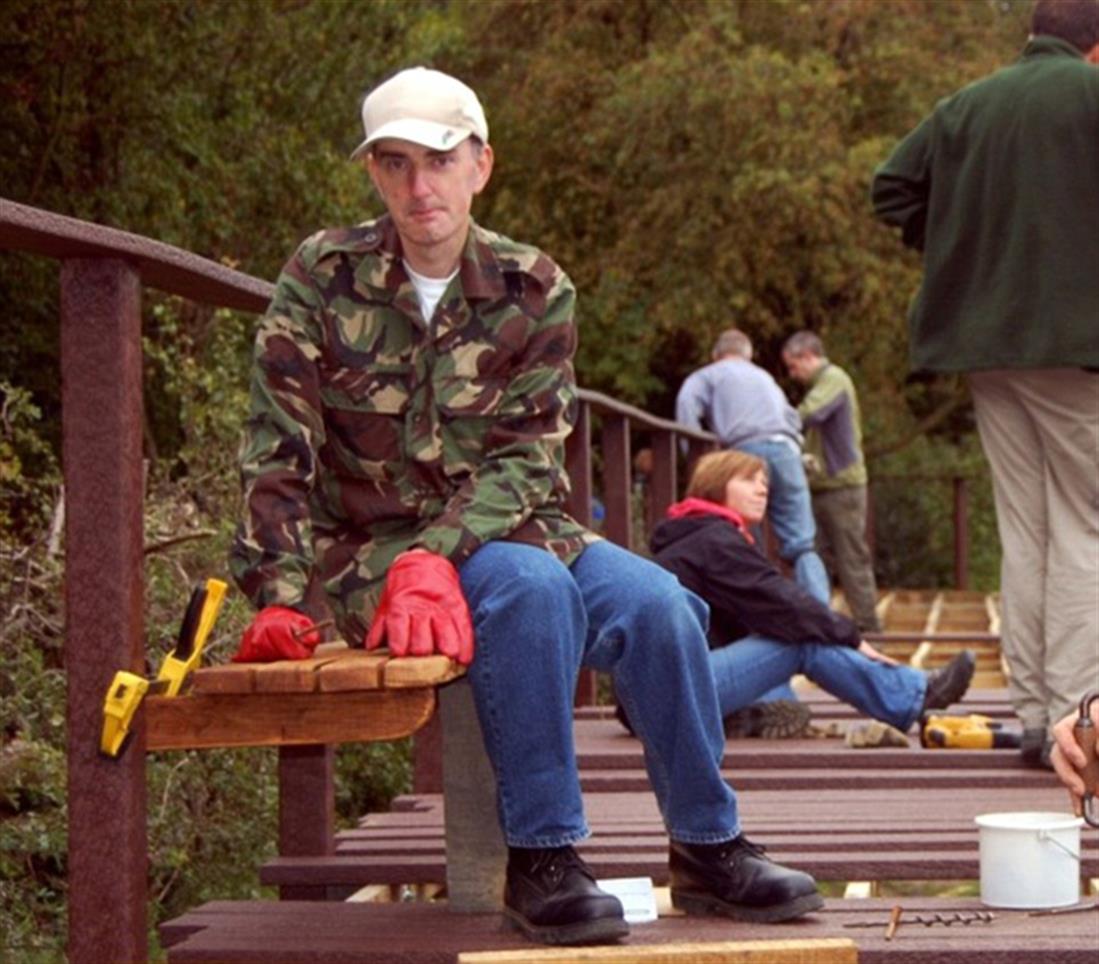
(276, 719)
(292, 675)
(410, 671)
(227, 678)
(356, 670)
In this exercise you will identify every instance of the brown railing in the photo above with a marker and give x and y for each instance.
(103, 272)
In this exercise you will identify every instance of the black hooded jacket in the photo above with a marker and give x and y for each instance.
(745, 592)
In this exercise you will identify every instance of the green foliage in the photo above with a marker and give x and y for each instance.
(28, 468)
(692, 165)
(913, 509)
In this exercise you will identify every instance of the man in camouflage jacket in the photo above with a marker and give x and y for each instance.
(373, 430)
(411, 394)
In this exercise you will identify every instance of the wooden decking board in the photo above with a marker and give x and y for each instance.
(426, 933)
(805, 780)
(654, 838)
(848, 808)
(987, 702)
(406, 868)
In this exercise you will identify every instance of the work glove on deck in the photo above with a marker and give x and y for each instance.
(422, 609)
(278, 633)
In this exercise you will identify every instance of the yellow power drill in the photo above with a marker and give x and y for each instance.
(973, 732)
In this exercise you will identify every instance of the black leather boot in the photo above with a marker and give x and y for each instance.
(552, 897)
(734, 879)
(948, 683)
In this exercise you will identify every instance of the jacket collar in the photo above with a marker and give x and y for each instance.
(382, 272)
(693, 507)
(1044, 45)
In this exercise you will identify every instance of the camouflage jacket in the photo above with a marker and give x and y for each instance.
(372, 429)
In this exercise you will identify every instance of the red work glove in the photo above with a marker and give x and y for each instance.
(277, 633)
(422, 609)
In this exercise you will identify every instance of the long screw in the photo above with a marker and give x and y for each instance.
(944, 920)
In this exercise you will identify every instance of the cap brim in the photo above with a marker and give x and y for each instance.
(437, 137)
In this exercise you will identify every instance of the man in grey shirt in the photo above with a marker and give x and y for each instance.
(745, 408)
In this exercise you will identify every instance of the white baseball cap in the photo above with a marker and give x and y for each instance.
(425, 107)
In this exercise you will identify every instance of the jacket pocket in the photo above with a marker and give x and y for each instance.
(365, 410)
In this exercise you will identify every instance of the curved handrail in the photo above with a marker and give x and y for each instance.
(179, 272)
(161, 266)
(604, 403)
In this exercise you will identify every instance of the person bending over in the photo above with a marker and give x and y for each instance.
(764, 627)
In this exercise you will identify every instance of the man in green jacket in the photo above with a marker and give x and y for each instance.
(999, 188)
(837, 480)
(403, 467)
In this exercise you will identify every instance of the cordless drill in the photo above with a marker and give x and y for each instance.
(971, 732)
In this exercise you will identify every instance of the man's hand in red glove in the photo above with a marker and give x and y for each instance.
(278, 633)
(422, 609)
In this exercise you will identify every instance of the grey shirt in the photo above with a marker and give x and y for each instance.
(739, 402)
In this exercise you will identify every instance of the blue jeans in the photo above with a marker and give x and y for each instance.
(749, 667)
(537, 622)
(790, 509)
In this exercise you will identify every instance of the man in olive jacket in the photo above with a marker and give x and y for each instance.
(999, 188)
(838, 481)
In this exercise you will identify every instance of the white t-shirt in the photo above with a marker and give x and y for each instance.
(428, 290)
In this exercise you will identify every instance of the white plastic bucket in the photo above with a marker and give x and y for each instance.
(1029, 860)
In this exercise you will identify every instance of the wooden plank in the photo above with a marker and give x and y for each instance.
(233, 932)
(355, 670)
(847, 864)
(228, 678)
(290, 675)
(402, 672)
(821, 951)
(280, 719)
(742, 779)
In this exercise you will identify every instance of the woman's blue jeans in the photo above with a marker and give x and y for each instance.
(536, 623)
(790, 509)
(746, 669)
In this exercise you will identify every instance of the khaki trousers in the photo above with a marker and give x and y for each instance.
(1040, 431)
(841, 542)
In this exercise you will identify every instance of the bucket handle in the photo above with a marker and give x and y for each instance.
(1049, 838)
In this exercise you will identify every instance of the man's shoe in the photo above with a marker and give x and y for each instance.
(1036, 749)
(776, 720)
(947, 684)
(734, 879)
(551, 896)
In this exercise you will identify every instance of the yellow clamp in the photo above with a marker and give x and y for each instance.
(127, 690)
(123, 698)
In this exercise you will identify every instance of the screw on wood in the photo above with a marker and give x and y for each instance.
(315, 628)
(894, 920)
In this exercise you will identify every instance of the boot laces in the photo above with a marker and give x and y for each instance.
(556, 861)
(739, 847)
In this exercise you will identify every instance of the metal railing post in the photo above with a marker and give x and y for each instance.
(101, 424)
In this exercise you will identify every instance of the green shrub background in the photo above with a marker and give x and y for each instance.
(691, 164)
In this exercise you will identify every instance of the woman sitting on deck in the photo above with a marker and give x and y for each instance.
(764, 627)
